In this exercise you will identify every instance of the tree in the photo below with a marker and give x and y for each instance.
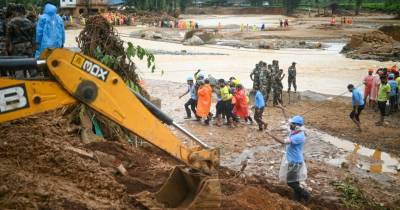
(393, 6)
(256, 3)
(318, 5)
(290, 5)
(182, 5)
(358, 6)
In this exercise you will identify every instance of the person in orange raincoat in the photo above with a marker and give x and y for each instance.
(204, 101)
(241, 108)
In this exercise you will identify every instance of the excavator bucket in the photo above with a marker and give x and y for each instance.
(185, 189)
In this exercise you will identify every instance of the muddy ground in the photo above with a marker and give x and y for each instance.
(42, 169)
(326, 163)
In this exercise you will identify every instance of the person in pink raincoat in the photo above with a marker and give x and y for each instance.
(368, 80)
(375, 87)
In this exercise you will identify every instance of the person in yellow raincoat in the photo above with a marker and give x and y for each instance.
(204, 101)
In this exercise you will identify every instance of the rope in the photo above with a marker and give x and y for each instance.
(318, 106)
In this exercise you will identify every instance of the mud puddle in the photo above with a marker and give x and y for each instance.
(372, 160)
(320, 148)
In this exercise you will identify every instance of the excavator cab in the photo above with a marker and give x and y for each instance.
(75, 78)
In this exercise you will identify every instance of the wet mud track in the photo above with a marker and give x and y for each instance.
(327, 162)
(39, 170)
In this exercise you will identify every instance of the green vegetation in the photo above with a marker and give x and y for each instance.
(159, 5)
(131, 52)
(354, 198)
(290, 6)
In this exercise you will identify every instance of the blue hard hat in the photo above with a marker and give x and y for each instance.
(201, 76)
(189, 78)
(391, 75)
(298, 120)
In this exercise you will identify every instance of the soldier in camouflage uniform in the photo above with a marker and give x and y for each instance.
(292, 77)
(3, 30)
(277, 87)
(268, 87)
(275, 66)
(255, 77)
(20, 34)
(3, 42)
(264, 79)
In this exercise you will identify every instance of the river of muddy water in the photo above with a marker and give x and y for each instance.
(325, 71)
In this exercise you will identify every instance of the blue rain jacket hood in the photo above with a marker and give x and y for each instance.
(50, 31)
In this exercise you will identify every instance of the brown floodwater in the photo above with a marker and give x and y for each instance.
(325, 71)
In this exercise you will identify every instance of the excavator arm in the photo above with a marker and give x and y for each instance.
(81, 78)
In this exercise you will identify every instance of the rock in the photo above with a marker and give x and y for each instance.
(157, 35)
(344, 165)
(318, 45)
(302, 43)
(195, 40)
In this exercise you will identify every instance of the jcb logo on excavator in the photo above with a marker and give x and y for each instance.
(90, 67)
(13, 98)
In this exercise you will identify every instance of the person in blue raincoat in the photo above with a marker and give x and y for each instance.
(50, 31)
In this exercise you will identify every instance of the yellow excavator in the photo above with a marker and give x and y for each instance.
(76, 78)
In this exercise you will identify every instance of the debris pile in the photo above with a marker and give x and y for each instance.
(149, 18)
(98, 39)
(391, 30)
(373, 45)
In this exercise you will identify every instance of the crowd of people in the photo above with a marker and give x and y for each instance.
(268, 78)
(343, 20)
(233, 104)
(381, 92)
(232, 98)
(116, 18)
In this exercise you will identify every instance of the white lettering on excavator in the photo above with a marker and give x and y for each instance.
(13, 98)
(95, 70)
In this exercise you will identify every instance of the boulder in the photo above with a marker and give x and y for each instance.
(157, 35)
(194, 40)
